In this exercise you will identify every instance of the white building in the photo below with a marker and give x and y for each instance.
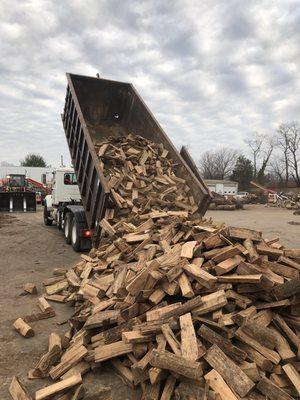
(223, 187)
(42, 175)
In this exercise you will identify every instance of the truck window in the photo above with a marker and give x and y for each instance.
(70, 179)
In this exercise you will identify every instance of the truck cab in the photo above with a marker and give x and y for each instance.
(64, 186)
(64, 207)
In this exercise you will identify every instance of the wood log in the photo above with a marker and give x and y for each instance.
(224, 344)
(39, 316)
(273, 254)
(17, 391)
(228, 265)
(262, 362)
(163, 312)
(235, 378)
(203, 277)
(243, 234)
(261, 334)
(23, 328)
(267, 353)
(57, 287)
(241, 278)
(68, 362)
(187, 249)
(289, 262)
(171, 339)
(47, 360)
(58, 387)
(280, 322)
(211, 302)
(177, 364)
(287, 289)
(135, 337)
(189, 345)
(219, 386)
(185, 286)
(44, 305)
(273, 392)
(168, 388)
(225, 253)
(293, 376)
(183, 308)
(124, 373)
(73, 279)
(108, 351)
(30, 288)
(81, 368)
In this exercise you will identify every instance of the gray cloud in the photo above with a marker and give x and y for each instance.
(213, 72)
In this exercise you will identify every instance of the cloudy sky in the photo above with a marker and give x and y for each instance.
(212, 72)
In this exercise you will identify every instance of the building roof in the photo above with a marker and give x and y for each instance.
(215, 181)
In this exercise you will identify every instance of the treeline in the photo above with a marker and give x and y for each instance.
(270, 160)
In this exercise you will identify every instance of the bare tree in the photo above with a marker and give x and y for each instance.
(278, 171)
(268, 147)
(218, 164)
(207, 165)
(255, 144)
(283, 138)
(261, 147)
(294, 148)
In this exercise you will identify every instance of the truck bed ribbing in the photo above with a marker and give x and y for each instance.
(176, 304)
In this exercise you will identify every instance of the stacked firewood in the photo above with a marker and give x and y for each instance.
(226, 203)
(176, 305)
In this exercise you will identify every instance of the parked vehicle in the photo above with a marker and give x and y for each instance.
(15, 195)
(95, 109)
(242, 196)
(64, 207)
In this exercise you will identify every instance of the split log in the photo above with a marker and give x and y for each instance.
(17, 391)
(235, 378)
(58, 387)
(177, 364)
(23, 329)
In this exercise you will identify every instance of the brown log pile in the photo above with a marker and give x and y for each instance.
(225, 203)
(174, 304)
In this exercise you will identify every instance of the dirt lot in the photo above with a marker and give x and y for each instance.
(270, 220)
(29, 251)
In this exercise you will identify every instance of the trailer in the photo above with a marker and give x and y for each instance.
(94, 110)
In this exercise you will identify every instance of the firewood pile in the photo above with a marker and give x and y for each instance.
(177, 306)
(229, 203)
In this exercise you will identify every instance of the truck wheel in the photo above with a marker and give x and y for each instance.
(59, 220)
(47, 219)
(75, 235)
(68, 227)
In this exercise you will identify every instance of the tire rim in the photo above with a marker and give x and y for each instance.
(66, 228)
(74, 234)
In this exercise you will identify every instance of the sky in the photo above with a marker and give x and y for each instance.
(212, 72)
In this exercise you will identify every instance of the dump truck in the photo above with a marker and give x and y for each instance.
(94, 110)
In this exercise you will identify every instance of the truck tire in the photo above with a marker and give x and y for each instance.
(47, 220)
(59, 219)
(75, 234)
(68, 227)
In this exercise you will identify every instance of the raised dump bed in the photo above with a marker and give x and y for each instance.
(97, 108)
